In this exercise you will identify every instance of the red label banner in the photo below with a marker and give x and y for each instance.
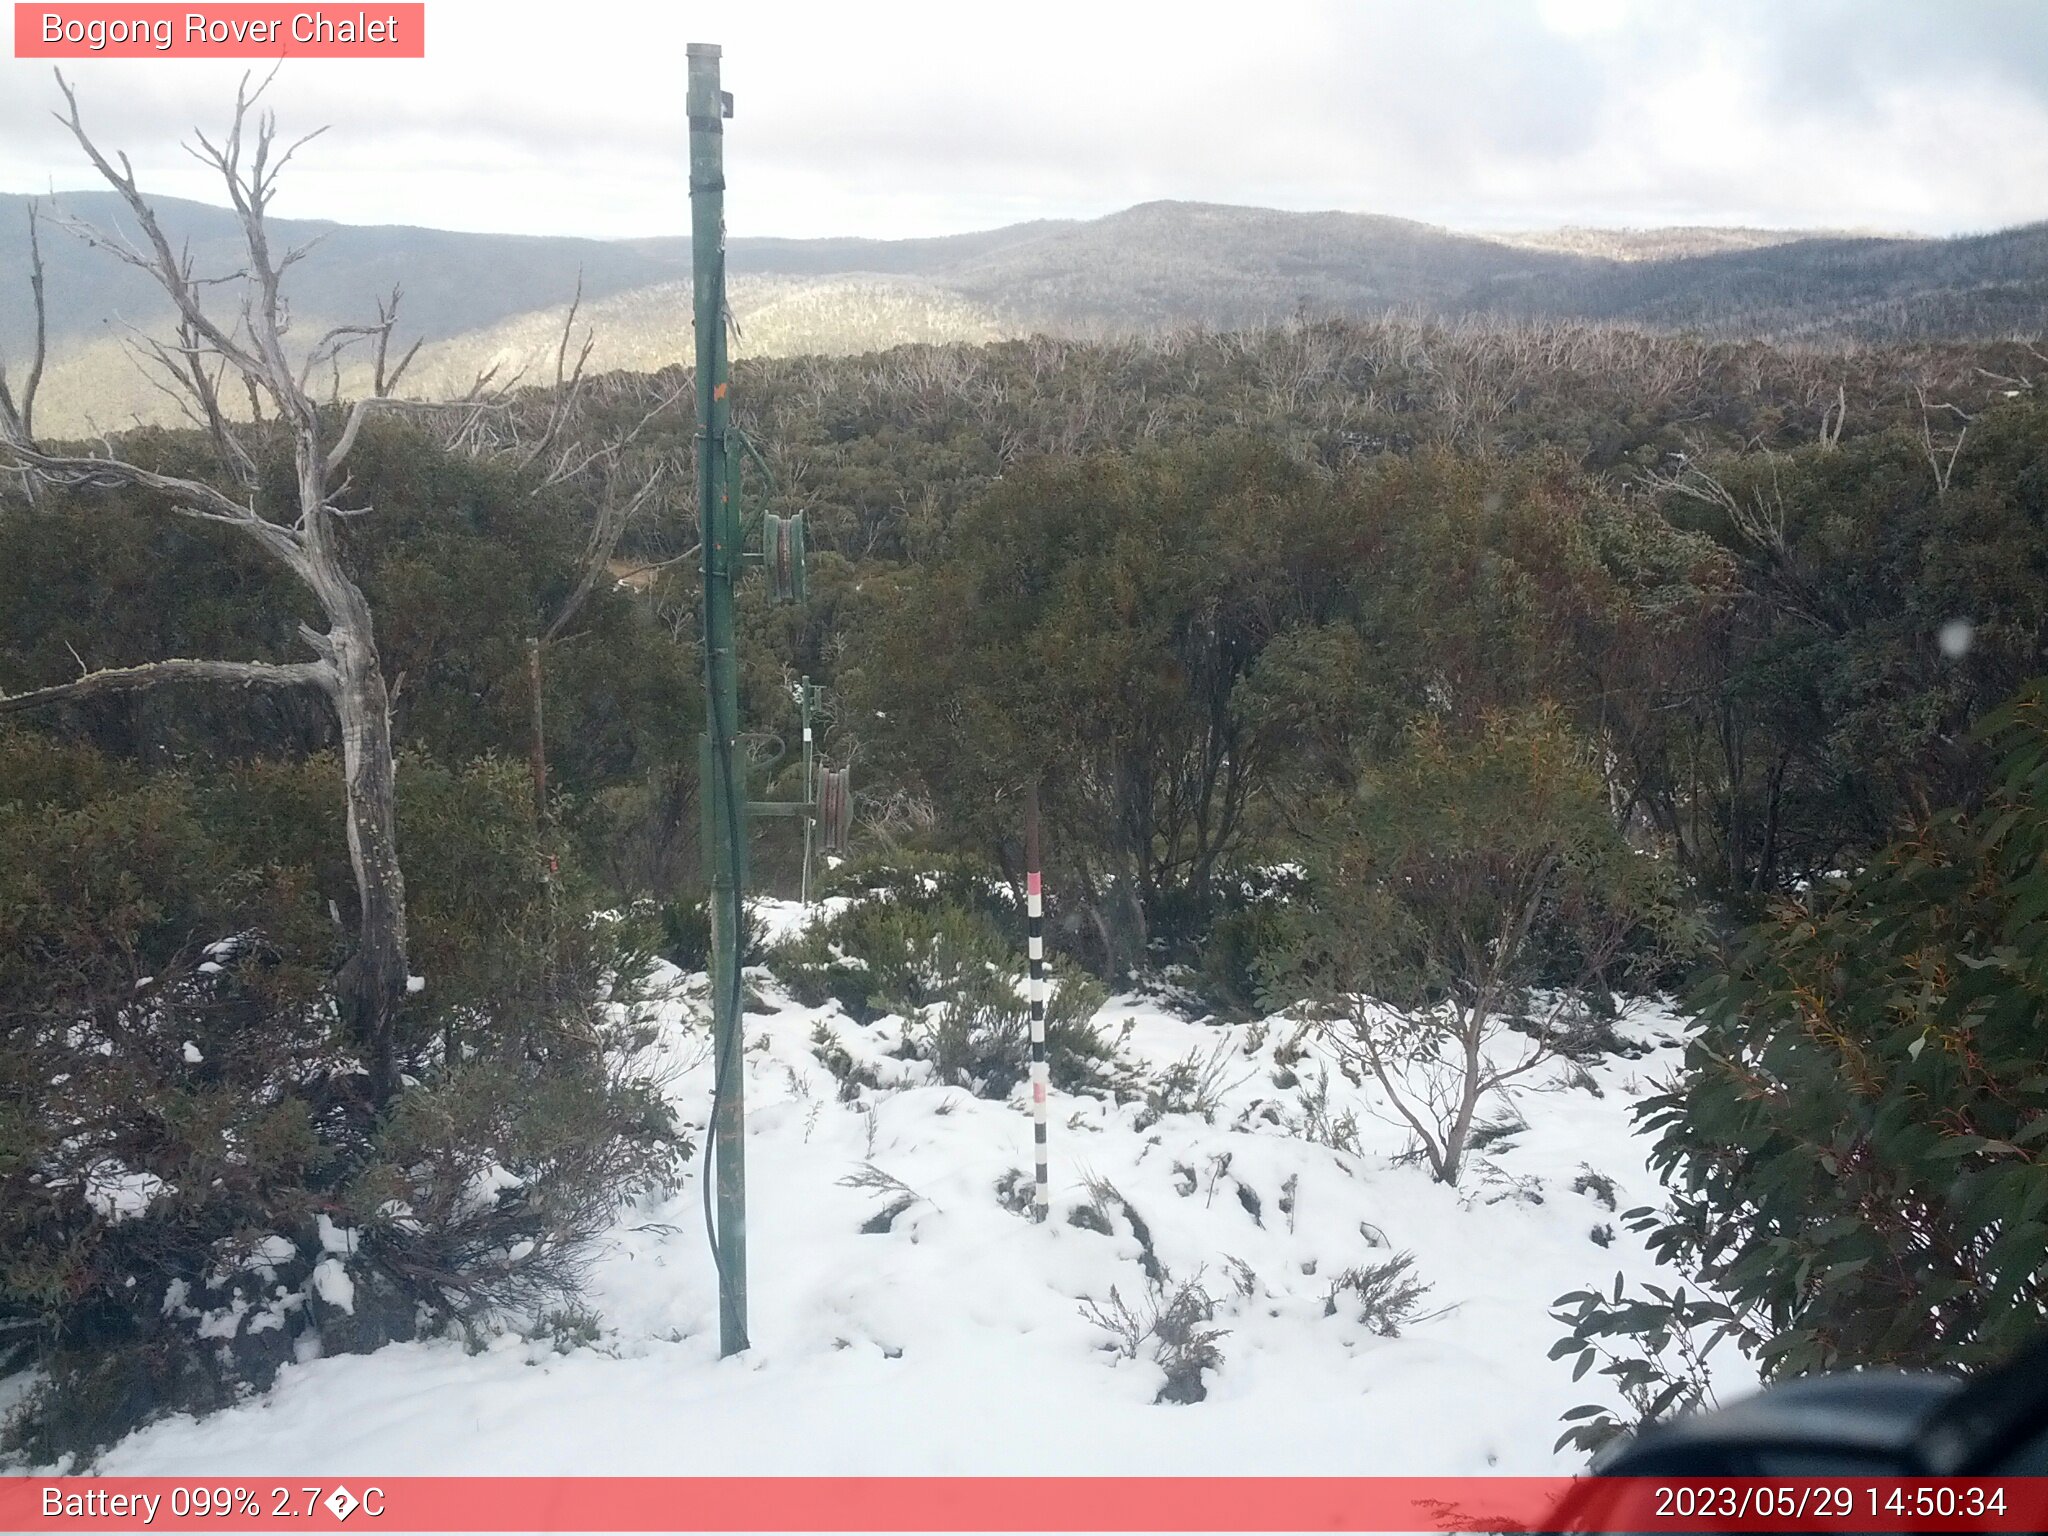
(395, 1504)
(374, 31)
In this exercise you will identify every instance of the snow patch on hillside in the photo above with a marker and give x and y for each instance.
(953, 1336)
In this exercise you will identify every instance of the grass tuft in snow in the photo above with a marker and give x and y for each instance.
(1386, 1296)
(1172, 1326)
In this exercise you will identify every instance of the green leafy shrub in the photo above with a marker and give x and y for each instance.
(955, 978)
(1176, 1320)
(1854, 1149)
(884, 955)
(1388, 1295)
(483, 1188)
(979, 1034)
(686, 935)
(193, 1186)
(1252, 923)
(925, 880)
(1197, 1084)
(1653, 1348)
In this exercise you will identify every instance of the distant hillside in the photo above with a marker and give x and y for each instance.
(920, 258)
(1875, 289)
(649, 328)
(1171, 263)
(1652, 244)
(453, 282)
(484, 298)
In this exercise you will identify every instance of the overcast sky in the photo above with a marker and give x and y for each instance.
(887, 119)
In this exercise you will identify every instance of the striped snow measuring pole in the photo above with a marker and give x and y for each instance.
(1034, 902)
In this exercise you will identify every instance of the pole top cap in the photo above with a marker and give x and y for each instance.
(703, 50)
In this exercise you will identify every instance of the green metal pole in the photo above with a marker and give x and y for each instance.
(724, 798)
(809, 790)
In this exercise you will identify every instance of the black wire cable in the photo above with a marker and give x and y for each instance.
(722, 731)
(721, 1078)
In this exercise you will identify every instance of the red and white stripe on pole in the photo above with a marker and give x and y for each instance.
(1034, 901)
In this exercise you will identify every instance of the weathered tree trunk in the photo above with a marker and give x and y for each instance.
(537, 745)
(1470, 1089)
(373, 982)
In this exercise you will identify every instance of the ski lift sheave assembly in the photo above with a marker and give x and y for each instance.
(826, 808)
(782, 552)
(835, 808)
(826, 803)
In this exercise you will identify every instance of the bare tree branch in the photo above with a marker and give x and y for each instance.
(1833, 419)
(21, 420)
(613, 519)
(259, 674)
(381, 381)
(568, 384)
(189, 498)
(168, 271)
(1941, 461)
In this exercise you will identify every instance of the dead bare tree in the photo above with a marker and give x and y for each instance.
(543, 435)
(1777, 574)
(1941, 457)
(563, 399)
(2017, 383)
(300, 531)
(20, 419)
(617, 510)
(1759, 519)
(1834, 418)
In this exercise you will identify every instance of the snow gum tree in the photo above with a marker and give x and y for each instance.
(1471, 898)
(222, 351)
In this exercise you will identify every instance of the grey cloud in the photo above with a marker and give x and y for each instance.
(856, 120)
(1843, 55)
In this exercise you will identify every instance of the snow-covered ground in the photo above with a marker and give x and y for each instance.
(954, 1341)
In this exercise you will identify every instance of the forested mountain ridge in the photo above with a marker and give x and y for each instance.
(1221, 266)
(483, 299)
